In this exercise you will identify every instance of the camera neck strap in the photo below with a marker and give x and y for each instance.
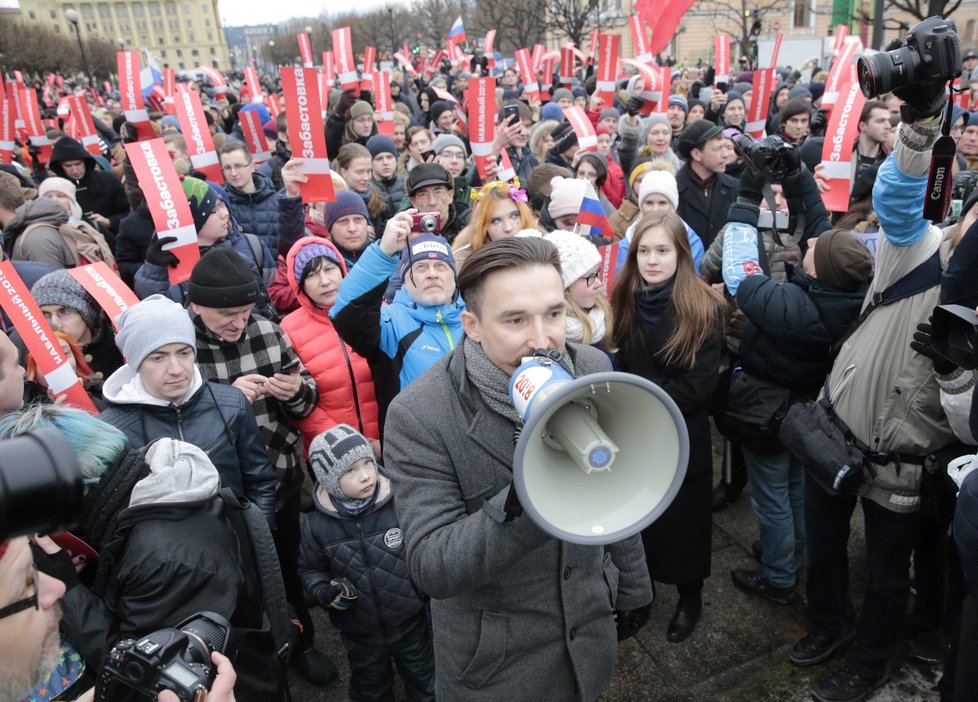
(937, 201)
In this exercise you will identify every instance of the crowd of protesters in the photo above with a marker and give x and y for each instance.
(325, 360)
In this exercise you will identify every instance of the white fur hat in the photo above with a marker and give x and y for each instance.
(661, 183)
(577, 255)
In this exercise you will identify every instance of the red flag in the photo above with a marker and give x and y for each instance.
(665, 28)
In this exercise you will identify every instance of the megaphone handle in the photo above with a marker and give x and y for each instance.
(510, 511)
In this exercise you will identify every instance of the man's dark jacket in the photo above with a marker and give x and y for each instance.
(98, 191)
(705, 211)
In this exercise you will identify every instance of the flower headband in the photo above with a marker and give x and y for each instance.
(512, 190)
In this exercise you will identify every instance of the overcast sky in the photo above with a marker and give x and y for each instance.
(235, 12)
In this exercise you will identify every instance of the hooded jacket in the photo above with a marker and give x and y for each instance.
(44, 243)
(346, 386)
(368, 550)
(257, 212)
(136, 232)
(172, 554)
(400, 340)
(98, 191)
(216, 418)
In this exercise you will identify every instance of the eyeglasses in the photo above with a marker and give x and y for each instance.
(62, 315)
(231, 167)
(590, 279)
(26, 603)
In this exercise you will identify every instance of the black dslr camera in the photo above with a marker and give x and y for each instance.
(41, 486)
(177, 659)
(954, 330)
(772, 156)
(931, 55)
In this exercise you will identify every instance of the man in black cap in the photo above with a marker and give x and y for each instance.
(705, 191)
(968, 63)
(238, 348)
(431, 188)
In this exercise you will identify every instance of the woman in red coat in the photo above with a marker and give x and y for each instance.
(346, 388)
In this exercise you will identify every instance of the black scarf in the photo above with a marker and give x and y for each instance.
(652, 304)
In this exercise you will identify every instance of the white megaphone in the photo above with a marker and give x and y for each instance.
(600, 457)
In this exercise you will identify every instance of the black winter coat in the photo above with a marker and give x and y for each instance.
(705, 212)
(257, 212)
(966, 530)
(136, 232)
(368, 550)
(97, 191)
(792, 329)
(678, 544)
(273, 166)
(218, 420)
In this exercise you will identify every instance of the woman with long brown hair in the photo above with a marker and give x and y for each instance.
(355, 164)
(669, 329)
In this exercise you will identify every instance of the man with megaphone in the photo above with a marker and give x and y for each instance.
(516, 613)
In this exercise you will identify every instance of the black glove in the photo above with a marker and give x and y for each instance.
(342, 594)
(128, 133)
(344, 104)
(367, 97)
(157, 256)
(801, 192)
(922, 100)
(923, 343)
(629, 621)
(633, 105)
(751, 182)
(57, 565)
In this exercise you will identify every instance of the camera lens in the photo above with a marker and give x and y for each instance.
(40, 483)
(886, 71)
(428, 223)
(205, 633)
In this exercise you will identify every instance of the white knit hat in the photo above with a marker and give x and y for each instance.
(152, 323)
(661, 183)
(577, 255)
(56, 184)
(566, 196)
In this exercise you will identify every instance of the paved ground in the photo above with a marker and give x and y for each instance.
(738, 653)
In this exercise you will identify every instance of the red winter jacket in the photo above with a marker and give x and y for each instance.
(346, 387)
(614, 185)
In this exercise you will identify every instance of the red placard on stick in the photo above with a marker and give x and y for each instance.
(488, 50)
(111, 294)
(839, 74)
(608, 50)
(6, 130)
(382, 99)
(254, 85)
(84, 124)
(777, 50)
(369, 68)
(567, 66)
(840, 135)
(131, 93)
(254, 136)
(760, 103)
(16, 97)
(530, 85)
(216, 78)
(306, 136)
(482, 121)
(841, 31)
(721, 50)
(200, 145)
(305, 49)
(586, 137)
(167, 203)
(40, 340)
(346, 67)
(640, 40)
(546, 78)
(35, 127)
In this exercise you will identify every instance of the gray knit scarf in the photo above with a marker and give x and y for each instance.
(492, 382)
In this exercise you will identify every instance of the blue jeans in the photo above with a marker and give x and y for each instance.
(777, 494)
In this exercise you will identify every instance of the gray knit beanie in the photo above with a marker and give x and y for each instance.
(333, 453)
(151, 324)
(60, 288)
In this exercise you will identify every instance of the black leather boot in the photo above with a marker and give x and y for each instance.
(683, 622)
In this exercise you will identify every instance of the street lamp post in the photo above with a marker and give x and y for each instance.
(389, 5)
(72, 16)
(271, 56)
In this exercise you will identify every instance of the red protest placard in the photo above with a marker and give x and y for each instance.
(131, 93)
(306, 136)
(608, 50)
(839, 74)
(482, 121)
(169, 87)
(34, 126)
(537, 56)
(369, 68)
(15, 96)
(567, 66)
(840, 136)
(84, 124)
(530, 86)
(777, 50)
(6, 129)
(760, 102)
(328, 70)
(405, 63)
(216, 78)
(111, 294)
(305, 49)
(254, 136)
(254, 85)
(506, 172)
(721, 51)
(346, 67)
(382, 99)
(487, 48)
(273, 103)
(546, 78)
(586, 138)
(40, 340)
(167, 203)
(640, 40)
(840, 38)
(193, 125)
(609, 263)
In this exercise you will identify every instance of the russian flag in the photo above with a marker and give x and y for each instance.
(457, 32)
(592, 215)
(151, 76)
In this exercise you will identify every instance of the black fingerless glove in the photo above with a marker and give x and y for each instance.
(157, 256)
